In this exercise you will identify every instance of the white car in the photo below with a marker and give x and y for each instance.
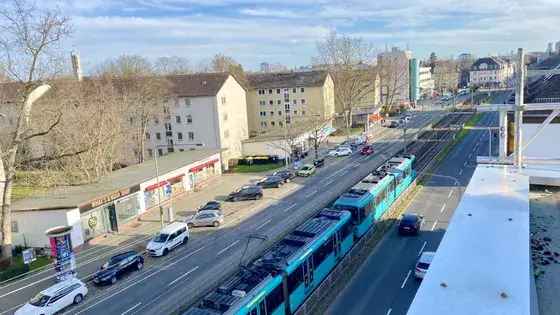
(423, 264)
(55, 298)
(171, 236)
(340, 151)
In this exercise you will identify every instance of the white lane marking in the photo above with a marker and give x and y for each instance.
(118, 292)
(461, 172)
(434, 226)
(422, 248)
(450, 194)
(313, 192)
(182, 276)
(389, 311)
(228, 247)
(262, 225)
(406, 279)
(182, 258)
(131, 309)
(329, 182)
(290, 207)
(442, 208)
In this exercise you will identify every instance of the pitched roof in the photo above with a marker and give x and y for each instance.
(198, 84)
(286, 79)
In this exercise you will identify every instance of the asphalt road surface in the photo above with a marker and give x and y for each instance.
(168, 282)
(385, 283)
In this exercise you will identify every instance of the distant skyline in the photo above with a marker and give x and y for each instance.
(286, 31)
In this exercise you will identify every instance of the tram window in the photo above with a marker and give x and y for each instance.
(322, 252)
(345, 230)
(295, 279)
(262, 308)
(274, 299)
(253, 312)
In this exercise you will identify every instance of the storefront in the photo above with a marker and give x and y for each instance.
(200, 173)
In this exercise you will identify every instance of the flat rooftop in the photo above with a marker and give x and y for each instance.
(72, 196)
(482, 265)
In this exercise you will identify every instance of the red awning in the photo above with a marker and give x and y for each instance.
(175, 179)
(202, 166)
(157, 185)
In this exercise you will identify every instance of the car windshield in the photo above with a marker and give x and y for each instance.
(409, 219)
(305, 168)
(160, 238)
(39, 300)
(423, 265)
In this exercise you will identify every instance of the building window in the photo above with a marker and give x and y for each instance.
(15, 227)
(181, 150)
(223, 100)
(225, 117)
(167, 127)
(170, 150)
(294, 90)
(178, 119)
(189, 119)
(277, 91)
(150, 152)
(271, 113)
(272, 123)
(295, 102)
(262, 102)
(179, 136)
(264, 124)
(187, 102)
(302, 113)
(269, 91)
(302, 101)
(261, 92)
(271, 102)
(191, 136)
(131, 120)
(285, 90)
(160, 152)
(281, 124)
(156, 120)
(165, 110)
(226, 133)
(287, 106)
(279, 113)
(158, 135)
(295, 112)
(279, 102)
(302, 90)
(147, 136)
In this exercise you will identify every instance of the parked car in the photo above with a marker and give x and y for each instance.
(340, 151)
(171, 236)
(117, 266)
(410, 223)
(319, 162)
(359, 140)
(286, 175)
(423, 264)
(55, 298)
(367, 150)
(391, 124)
(306, 170)
(271, 182)
(206, 218)
(249, 192)
(211, 205)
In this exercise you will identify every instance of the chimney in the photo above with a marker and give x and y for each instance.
(76, 67)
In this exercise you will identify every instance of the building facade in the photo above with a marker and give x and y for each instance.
(206, 110)
(491, 72)
(395, 76)
(277, 100)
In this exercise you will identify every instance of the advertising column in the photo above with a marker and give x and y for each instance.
(62, 252)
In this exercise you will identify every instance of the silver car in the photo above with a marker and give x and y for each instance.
(206, 218)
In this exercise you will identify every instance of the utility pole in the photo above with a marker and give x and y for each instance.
(161, 221)
(519, 95)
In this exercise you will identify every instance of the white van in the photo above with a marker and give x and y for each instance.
(171, 236)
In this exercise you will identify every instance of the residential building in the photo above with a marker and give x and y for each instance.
(421, 83)
(204, 110)
(267, 67)
(395, 77)
(426, 83)
(491, 72)
(446, 76)
(277, 100)
(465, 62)
(105, 206)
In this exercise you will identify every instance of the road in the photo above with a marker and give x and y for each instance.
(385, 283)
(168, 282)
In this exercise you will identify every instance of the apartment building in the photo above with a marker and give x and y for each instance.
(491, 72)
(275, 100)
(204, 110)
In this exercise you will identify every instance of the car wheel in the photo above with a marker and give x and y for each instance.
(216, 224)
(185, 240)
(78, 299)
(259, 196)
(113, 279)
(190, 225)
(139, 265)
(165, 252)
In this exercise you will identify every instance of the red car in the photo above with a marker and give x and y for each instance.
(366, 150)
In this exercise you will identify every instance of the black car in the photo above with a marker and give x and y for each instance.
(319, 162)
(246, 193)
(117, 266)
(286, 175)
(271, 182)
(410, 223)
(211, 205)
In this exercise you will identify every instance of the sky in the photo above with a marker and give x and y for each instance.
(286, 31)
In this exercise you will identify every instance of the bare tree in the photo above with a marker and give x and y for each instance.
(172, 65)
(347, 60)
(393, 71)
(446, 75)
(222, 63)
(29, 38)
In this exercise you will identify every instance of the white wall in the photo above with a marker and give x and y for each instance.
(33, 224)
(546, 144)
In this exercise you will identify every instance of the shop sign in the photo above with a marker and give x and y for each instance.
(61, 251)
(110, 197)
(202, 166)
(28, 256)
